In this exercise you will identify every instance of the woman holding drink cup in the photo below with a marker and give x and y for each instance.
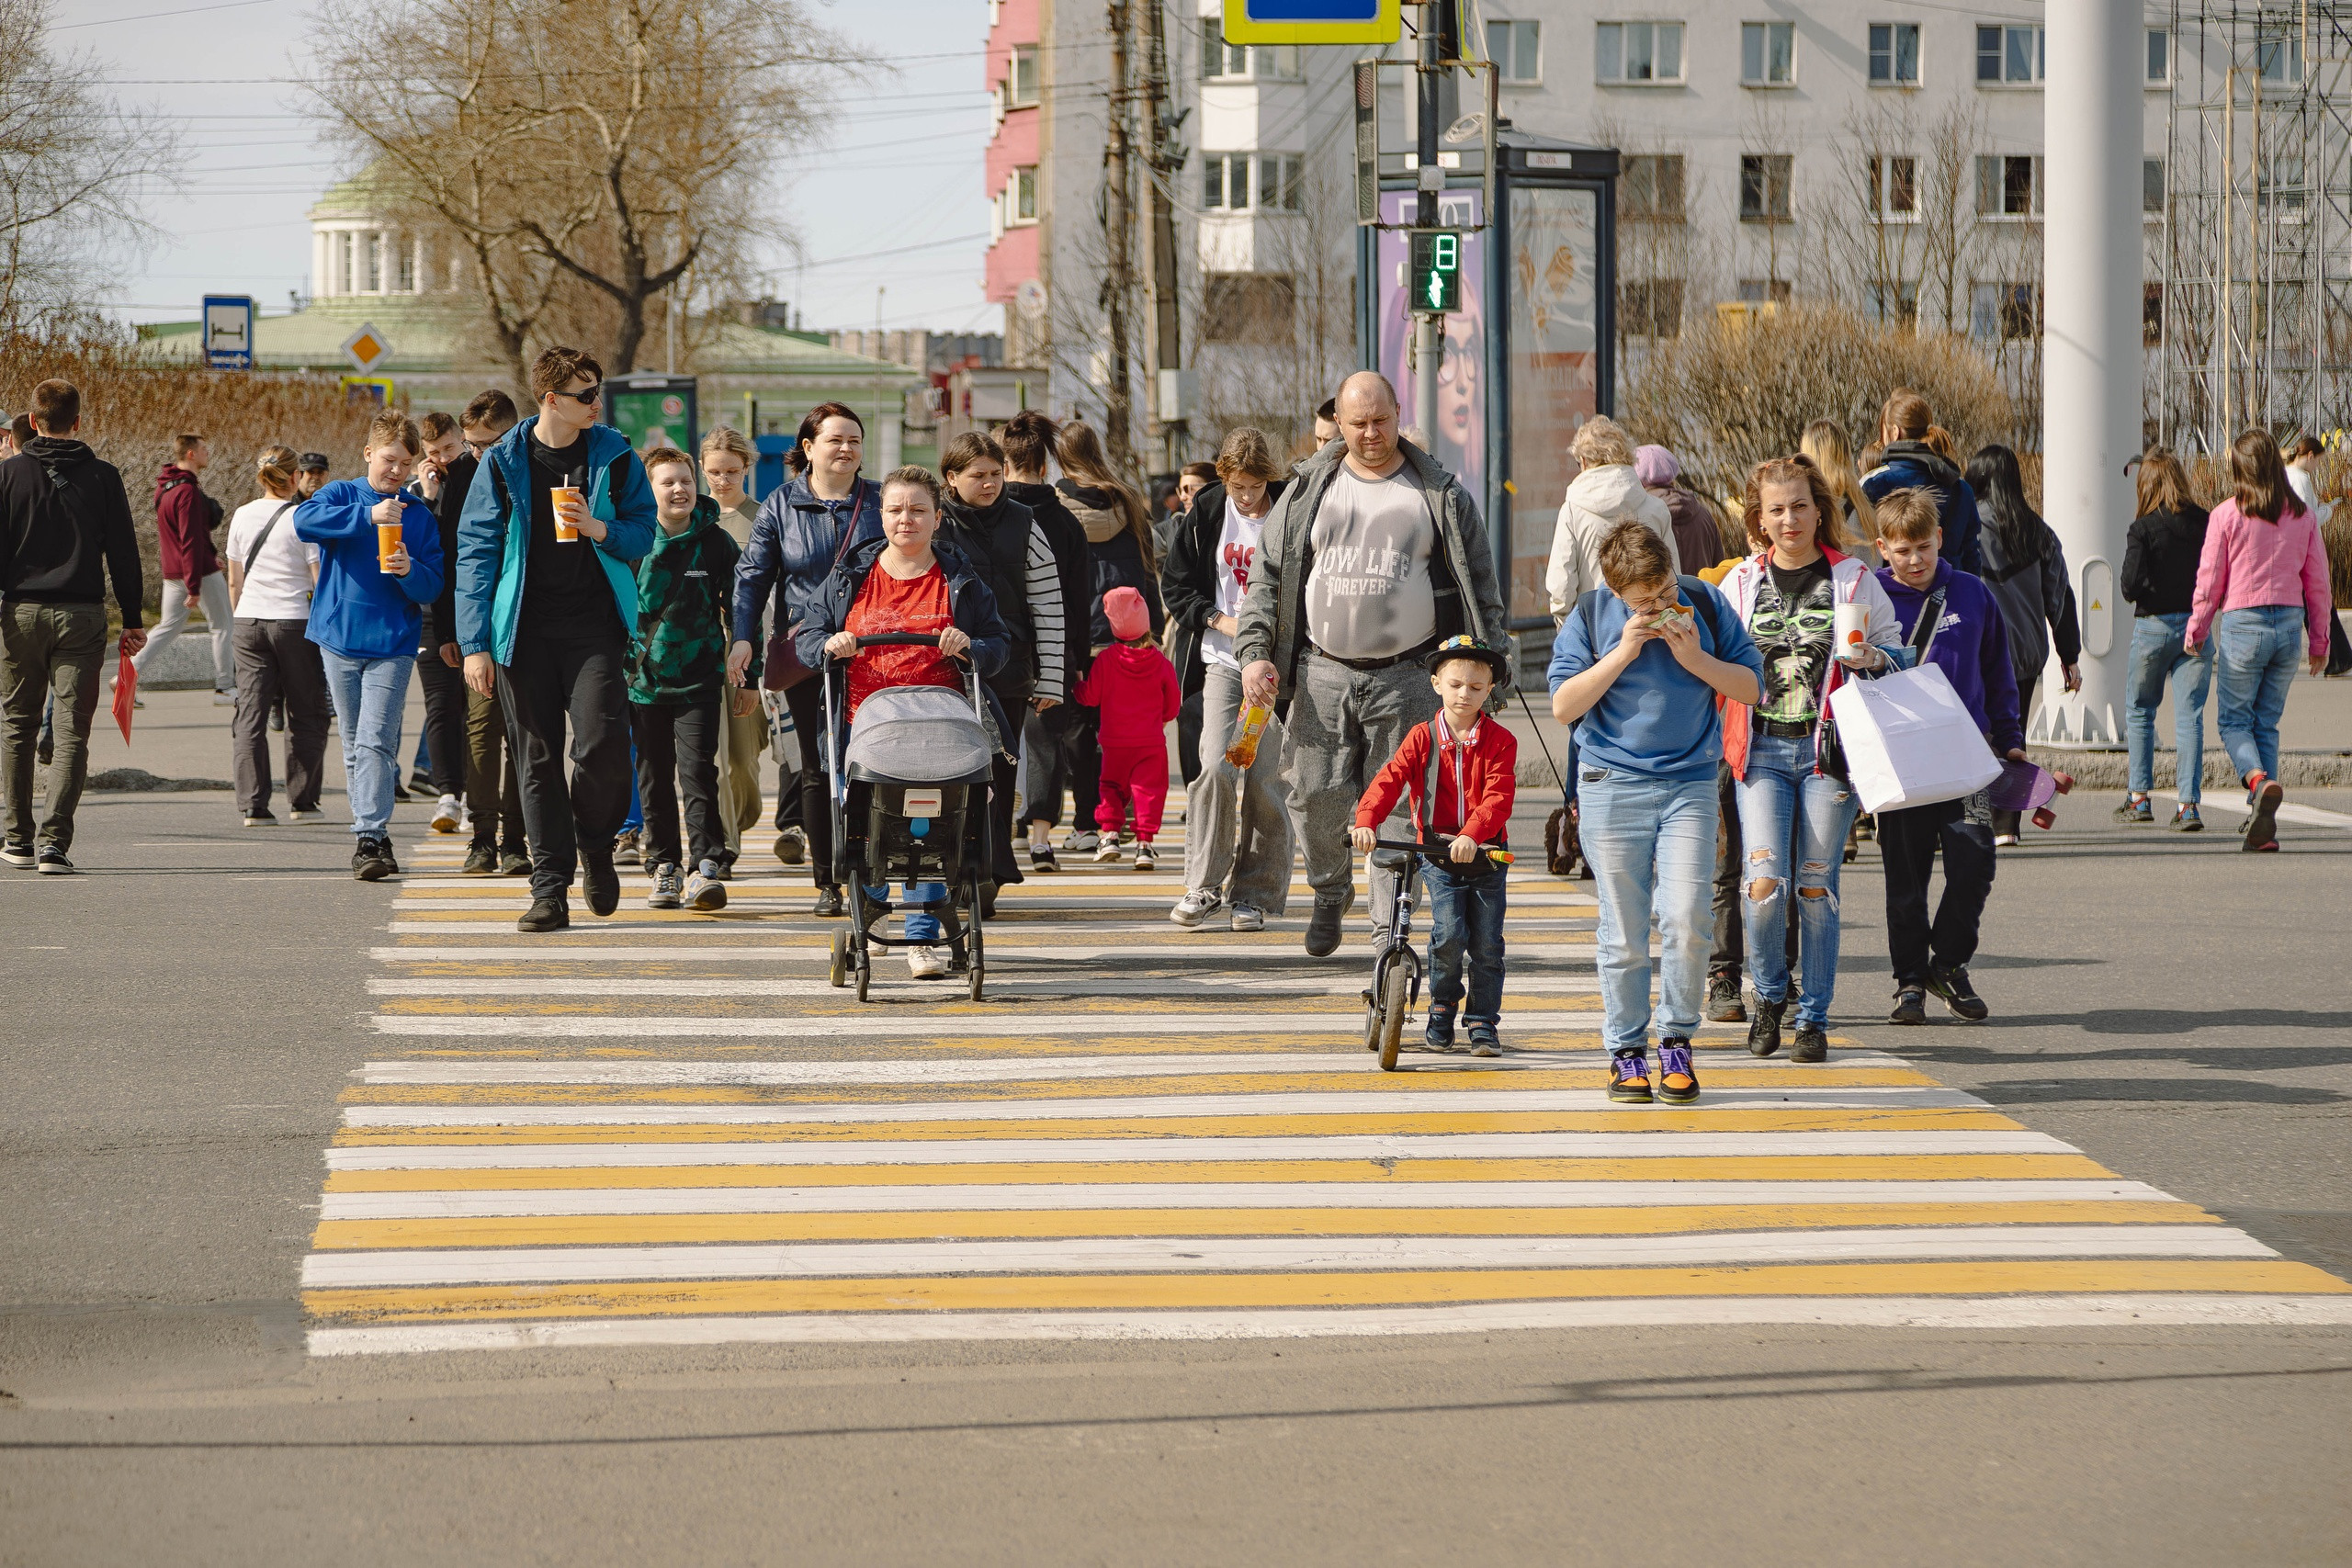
(1815, 614)
(379, 565)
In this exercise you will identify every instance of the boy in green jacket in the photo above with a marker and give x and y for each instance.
(677, 679)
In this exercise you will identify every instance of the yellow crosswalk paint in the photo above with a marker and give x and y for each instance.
(1145, 1130)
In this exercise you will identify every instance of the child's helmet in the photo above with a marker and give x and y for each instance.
(1468, 647)
(1129, 617)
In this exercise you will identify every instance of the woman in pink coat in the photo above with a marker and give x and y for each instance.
(2261, 594)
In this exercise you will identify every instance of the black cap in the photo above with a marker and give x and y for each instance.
(1468, 647)
(312, 462)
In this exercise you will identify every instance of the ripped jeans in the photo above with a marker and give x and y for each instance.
(1783, 803)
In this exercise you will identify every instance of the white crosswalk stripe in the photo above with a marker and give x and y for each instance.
(668, 1127)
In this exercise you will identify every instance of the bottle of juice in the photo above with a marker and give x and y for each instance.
(1251, 726)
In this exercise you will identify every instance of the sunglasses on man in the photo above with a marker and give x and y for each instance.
(586, 397)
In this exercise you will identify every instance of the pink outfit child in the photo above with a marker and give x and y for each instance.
(2249, 564)
(1136, 688)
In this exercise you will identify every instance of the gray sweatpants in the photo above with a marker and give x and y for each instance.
(1237, 821)
(1344, 726)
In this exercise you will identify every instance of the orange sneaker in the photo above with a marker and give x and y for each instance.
(1678, 1078)
(1629, 1079)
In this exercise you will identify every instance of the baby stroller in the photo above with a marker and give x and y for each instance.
(909, 805)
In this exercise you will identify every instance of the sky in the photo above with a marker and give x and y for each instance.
(901, 165)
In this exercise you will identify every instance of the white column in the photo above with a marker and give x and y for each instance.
(2090, 379)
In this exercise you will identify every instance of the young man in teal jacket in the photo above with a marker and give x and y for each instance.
(555, 521)
(365, 617)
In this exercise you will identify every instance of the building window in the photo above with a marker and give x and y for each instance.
(1763, 291)
(1020, 82)
(1893, 189)
(1767, 54)
(2280, 57)
(1650, 187)
(375, 282)
(2159, 58)
(1279, 183)
(1651, 308)
(2152, 314)
(404, 266)
(2003, 312)
(1764, 188)
(2152, 187)
(1637, 51)
(2280, 186)
(2010, 56)
(1895, 305)
(1021, 195)
(1223, 62)
(1513, 46)
(1248, 307)
(2007, 187)
(1895, 54)
(1279, 187)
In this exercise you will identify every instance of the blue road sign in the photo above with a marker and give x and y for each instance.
(1312, 22)
(228, 331)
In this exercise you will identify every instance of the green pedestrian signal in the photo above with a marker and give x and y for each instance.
(1437, 269)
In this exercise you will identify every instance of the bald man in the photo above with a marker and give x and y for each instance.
(1374, 556)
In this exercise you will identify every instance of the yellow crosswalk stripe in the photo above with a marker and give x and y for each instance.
(666, 1127)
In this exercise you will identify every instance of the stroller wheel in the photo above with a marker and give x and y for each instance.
(838, 971)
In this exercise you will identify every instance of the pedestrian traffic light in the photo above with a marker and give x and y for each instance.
(1437, 269)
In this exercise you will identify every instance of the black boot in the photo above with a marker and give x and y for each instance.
(1764, 1028)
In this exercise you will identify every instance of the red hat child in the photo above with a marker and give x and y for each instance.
(1125, 609)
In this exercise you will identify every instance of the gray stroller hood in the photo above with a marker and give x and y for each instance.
(918, 735)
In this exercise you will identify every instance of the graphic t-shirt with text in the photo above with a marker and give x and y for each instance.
(1368, 594)
(1236, 547)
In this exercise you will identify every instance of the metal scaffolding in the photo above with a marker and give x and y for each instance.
(2253, 322)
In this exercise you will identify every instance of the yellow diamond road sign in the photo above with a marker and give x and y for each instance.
(367, 348)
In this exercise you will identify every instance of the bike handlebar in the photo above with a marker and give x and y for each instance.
(1442, 851)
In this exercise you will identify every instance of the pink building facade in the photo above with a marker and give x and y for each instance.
(1012, 67)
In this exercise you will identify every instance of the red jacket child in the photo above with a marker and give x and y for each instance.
(1135, 687)
(1478, 768)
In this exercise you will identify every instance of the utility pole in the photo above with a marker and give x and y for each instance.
(1429, 326)
(1119, 234)
(1165, 160)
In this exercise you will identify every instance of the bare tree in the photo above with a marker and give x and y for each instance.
(75, 169)
(614, 144)
(1951, 240)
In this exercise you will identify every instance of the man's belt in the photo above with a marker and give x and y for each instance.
(1410, 656)
(1786, 728)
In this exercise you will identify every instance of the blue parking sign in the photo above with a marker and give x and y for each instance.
(1312, 22)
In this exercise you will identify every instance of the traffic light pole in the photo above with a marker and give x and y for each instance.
(1429, 326)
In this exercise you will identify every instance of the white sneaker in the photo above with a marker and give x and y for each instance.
(1106, 850)
(1145, 860)
(311, 815)
(1078, 843)
(224, 699)
(1248, 917)
(926, 962)
(444, 815)
(1195, 907)
(664, 894)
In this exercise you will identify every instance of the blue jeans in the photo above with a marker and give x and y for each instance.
(920, 926)
(1652, 844)
(369, 694)
(635, 821)
(1465, 931)
(1783, 801)
(2255, 651)
(2157, 660)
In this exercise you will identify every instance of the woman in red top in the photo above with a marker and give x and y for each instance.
(901, 583)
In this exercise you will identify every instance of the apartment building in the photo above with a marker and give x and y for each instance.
(1882, 155)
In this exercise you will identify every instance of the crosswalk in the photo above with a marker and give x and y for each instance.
(668, 1128)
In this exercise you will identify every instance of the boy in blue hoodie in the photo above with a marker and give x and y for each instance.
(1950, 615)
(379, 565)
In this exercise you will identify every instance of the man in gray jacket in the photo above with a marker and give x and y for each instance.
(1374, 556)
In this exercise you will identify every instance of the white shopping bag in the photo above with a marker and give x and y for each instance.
(1910, 739)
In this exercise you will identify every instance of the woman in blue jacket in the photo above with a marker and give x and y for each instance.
(803, 531)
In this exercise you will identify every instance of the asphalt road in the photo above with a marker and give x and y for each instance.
(182, 1019)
